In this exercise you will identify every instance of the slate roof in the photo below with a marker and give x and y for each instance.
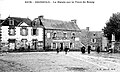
(98, 34)
(1, 20)
(84, 37)
(17, 21)
(57, 24)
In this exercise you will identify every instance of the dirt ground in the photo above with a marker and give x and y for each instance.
(44, 62)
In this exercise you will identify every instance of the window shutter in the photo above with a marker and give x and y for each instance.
(91, 40)
(20, 31)
(26, 31)
(37, 32)
(94, 40)
(32, 32)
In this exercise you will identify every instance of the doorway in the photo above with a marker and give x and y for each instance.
(11, 44)
(35, 43)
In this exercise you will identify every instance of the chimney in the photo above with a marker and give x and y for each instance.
(74, 21)
(40, 17)
(87, 28)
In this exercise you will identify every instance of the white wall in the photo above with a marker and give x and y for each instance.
(104, 42)
(29, 37)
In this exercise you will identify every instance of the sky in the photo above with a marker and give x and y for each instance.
(93, 15)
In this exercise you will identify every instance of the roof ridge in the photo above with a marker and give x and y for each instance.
(59, 24)
(56, 20)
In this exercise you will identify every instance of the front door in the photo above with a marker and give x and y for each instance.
(35, 44)
(11, 44)
(61, 46)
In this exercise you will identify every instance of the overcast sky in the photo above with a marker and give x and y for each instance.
(93, 15)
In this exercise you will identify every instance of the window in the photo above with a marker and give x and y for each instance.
(34, 31)
(94, 34)
(93, 40)
(11, 31)
(23, 31)
(24, 41)
(73, 36)
(40, 44)
(54, 45)
(54, 35)
(48, 35)
(70, 45)
(65, 35)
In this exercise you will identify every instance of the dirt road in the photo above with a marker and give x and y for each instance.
(53, 62)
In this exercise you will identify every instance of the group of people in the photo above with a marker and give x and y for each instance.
(59, 49)
(83, 49)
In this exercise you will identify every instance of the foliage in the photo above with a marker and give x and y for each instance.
(113, 27)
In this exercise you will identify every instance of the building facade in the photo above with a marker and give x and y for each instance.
(94, 39)
(59, 34)
(19, 34)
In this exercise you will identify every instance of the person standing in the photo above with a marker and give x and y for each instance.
(98, 49)
(57, 49)
(89, 49)
(83, 49)
(29, 47)
(66, 49)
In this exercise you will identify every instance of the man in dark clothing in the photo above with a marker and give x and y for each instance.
(89, 48)
(83, 50)
(66, 49)
(98, 49)
(28, 47)
(57, 49)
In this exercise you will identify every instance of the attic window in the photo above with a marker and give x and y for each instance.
(11, 22)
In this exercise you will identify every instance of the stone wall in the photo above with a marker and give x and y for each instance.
(72, 43)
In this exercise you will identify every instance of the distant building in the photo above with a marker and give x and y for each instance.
(93, 38)
(60, 34)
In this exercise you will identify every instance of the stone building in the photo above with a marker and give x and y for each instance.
(93, 38)
(57, 33)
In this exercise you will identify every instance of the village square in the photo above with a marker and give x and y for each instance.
(47, 45)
